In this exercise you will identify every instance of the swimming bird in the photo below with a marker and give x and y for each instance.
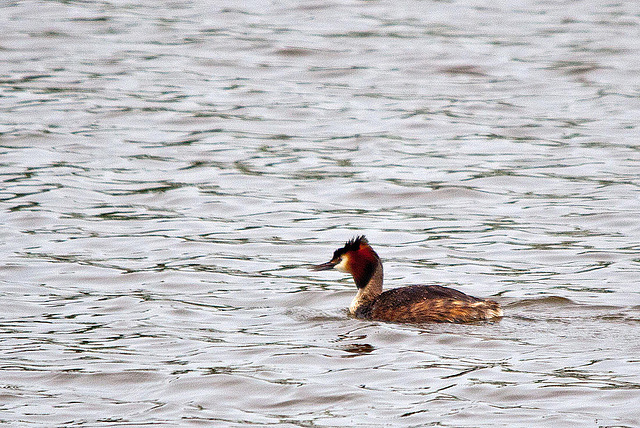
(412, 304)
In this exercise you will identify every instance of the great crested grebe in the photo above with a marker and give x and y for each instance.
(413, 304)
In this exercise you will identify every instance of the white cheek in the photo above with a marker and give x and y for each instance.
(342, 266)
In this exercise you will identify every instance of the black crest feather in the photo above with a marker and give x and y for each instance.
(354, 243)
(351, 245)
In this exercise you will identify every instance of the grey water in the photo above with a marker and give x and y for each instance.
(169, 170)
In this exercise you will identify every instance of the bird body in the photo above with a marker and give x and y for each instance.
(412, 304)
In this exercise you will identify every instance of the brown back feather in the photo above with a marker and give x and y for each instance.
(431, 303)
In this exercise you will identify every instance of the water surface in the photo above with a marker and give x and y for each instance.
(170, 170)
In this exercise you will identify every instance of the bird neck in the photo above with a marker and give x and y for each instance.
(372, 289)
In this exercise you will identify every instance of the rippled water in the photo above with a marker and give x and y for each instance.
(170, 169)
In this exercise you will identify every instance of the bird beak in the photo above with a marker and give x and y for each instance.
(324, 266)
